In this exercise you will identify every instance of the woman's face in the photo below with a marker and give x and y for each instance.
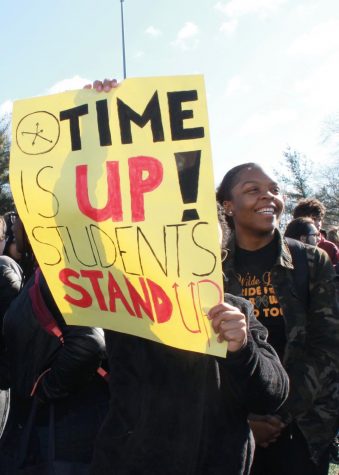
(256, 203)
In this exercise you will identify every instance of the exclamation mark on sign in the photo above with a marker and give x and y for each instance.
(188, 166)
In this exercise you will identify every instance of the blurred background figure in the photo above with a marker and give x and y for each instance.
(3, 229)
(333, 235)
(304, 230)
(10, 248)
(313, 208)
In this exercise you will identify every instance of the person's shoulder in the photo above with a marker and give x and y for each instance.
(320, 264)
(317, 252)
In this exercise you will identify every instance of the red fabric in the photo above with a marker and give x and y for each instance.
(331, 250)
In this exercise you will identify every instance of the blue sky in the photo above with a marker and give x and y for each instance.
(271, 67)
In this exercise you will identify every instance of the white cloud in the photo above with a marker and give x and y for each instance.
(65, 85)
(75, 82)
(322, 39)
(229, 27)
(187, 37)
(320, 88)
(239, 8)
(139, 54)
(307, 9)
(152, 31)
(6, 108)
(236, 85)
(265, 122)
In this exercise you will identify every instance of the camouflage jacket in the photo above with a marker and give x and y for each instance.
(312, 349)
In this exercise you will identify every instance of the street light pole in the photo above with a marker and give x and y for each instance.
(123, 37)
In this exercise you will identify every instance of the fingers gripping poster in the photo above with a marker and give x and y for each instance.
(116, 194)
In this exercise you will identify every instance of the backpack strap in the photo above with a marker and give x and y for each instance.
(48, 322)
(41, 311)
(301, 271)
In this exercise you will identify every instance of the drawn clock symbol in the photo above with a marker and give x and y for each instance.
(37, 133)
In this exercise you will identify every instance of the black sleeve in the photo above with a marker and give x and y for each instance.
(5, 381)
(10, 285)
(76, 361)
(255, 374)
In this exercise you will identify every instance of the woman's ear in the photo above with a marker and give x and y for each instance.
(228, 208)
(303, 238)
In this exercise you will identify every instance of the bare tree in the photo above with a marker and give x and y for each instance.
(330, 133)
(6, 200)
(329, 196)
(294, 176)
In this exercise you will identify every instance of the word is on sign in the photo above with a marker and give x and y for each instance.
(116, 194)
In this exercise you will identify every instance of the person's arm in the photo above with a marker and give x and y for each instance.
(75, 363)
(252, 370)
(5, 374)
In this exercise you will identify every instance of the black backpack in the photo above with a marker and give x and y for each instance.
(301, 272)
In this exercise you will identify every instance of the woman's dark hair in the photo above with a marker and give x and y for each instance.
(223, 225)
(298, 227)
(224, 190)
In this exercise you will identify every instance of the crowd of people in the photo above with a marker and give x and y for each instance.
(108, 403)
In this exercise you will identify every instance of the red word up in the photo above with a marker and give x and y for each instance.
(145, 175)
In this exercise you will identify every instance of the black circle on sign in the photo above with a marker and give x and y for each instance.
(35, 143)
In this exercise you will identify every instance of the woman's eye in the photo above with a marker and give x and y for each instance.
(276, 190)
(252, 190)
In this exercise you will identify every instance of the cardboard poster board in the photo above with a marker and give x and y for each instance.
(116, 194)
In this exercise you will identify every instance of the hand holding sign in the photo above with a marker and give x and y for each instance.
(105, 85)
(230, 325)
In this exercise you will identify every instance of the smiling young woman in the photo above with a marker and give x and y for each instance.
(253, 201)
(303, 331)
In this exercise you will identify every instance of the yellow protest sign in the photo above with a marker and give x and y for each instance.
(117, 198)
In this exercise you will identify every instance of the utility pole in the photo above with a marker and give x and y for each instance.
(123, 37)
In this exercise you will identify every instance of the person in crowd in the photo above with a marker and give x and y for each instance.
(304, 329)
(178, 412)
(3, 229)
(333, 235)
(304, 230)
(10, 245)
(61, 369)
(313, 208)
(10, 285)
(323, 232)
